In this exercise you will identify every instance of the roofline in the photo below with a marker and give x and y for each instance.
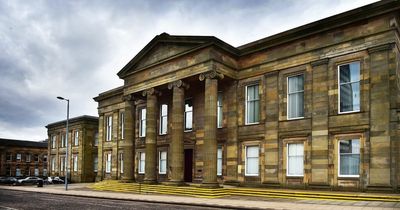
(74, 119)
(345, 18)
(109, 93)
(26, 143)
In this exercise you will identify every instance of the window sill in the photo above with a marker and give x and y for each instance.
(252, 175)
(348, 176)
(295, 118)
(187, 131)
(294, 176)
(349, 112)
(164, 173)
(256, 123)
(141, 173)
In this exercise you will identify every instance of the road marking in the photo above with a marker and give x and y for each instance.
(8, 208)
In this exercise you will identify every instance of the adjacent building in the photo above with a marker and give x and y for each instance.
(313, 107)
(82, 148)
(20, 158)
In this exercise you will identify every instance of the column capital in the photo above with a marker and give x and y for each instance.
(178, 84)
(151, 91)
(129, 98)
(213, 74)
(384, 47)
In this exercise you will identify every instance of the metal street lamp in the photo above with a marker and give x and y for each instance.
(66, 144)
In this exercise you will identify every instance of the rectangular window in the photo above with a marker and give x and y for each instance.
(62, 163)
(75, 163)
(36, 158)
(349, 158)
(62, 140)
(188, 115)
(53, 142)
(252, 104)
(295, 159)
(9, 156)
(108, 163)
(28, 158)
(163, 162)
(121, 163)
(53, 163)
(109, 128)
(18, 157)
(44, 158)
(96, 139)
(252, 155)
(44, 172)
(122, 124)
(17, 172)
(349, 87)
(95, 163)
(36, 172)
(142, 124)
(142, 161)
(295, 97)
(163, 119)
(219, 161)
(219, 110)
(76, 138)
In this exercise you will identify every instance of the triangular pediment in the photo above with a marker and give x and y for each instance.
(165, 46)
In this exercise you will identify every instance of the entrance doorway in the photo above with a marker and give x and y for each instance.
(188, 175)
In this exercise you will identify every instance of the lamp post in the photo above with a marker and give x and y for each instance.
(66, 144)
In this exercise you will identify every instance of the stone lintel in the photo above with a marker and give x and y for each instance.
(320, 62)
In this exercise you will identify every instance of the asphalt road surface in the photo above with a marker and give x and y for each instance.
(10, 199)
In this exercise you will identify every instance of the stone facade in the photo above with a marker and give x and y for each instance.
(82, 148)
(341, 125)
(20, 158)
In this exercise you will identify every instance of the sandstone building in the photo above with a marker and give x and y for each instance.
(313, 107)
(23, 158)
(82, 148)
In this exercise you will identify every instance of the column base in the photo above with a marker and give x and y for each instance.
(210, 185)
(149, 181)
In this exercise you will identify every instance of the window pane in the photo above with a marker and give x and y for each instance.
(349, 72)
(252, 160)
(350, 97)
(295, 159)
(349, 157)
(188, 120)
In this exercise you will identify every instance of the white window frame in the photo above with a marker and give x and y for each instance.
(95, 163)
(142, 162)
(75, 162)
(18, 172)
(220, 113)
(108, 163)
(142, 122)
(45, 172)
(18, 157)
(96, 139)
(246, 161)
(53, 163)
(122, 124)
(163, 117)
(359, 163)
(247, 101)
(36, 172)
(359, 81)
(109, 127)
(62, 163)
(160, 160)
(44, 158)
(219, 161)
(9, 156)
(62, 140)
(53, 141)
(28, 158)
(287, 96)
(185, 118)
(121, 162)
(76, 138)
(287, 160)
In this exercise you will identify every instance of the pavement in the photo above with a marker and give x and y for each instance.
(235, 202)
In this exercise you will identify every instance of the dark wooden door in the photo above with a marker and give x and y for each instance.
(188, 165)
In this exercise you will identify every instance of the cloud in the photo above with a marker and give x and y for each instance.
(75, 48)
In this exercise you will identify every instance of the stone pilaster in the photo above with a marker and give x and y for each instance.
(271, 175)
(114, 143)
(232, 140)
(176, 150)
(151, 136)
(129, 140)
(210, 128)
(380, 139)
(320, 137)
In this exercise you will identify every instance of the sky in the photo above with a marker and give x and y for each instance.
(74, 49)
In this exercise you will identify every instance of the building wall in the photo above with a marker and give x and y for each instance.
(373, 42)
(86, 149)
(32, 158)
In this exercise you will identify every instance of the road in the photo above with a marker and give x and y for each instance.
(11, 200)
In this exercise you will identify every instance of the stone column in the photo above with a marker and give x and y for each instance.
(232, 141)
(176, 150)
(320, 136)
(150, 176)
(129, 140)
(210, 128)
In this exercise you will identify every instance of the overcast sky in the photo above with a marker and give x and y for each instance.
(75, 48)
